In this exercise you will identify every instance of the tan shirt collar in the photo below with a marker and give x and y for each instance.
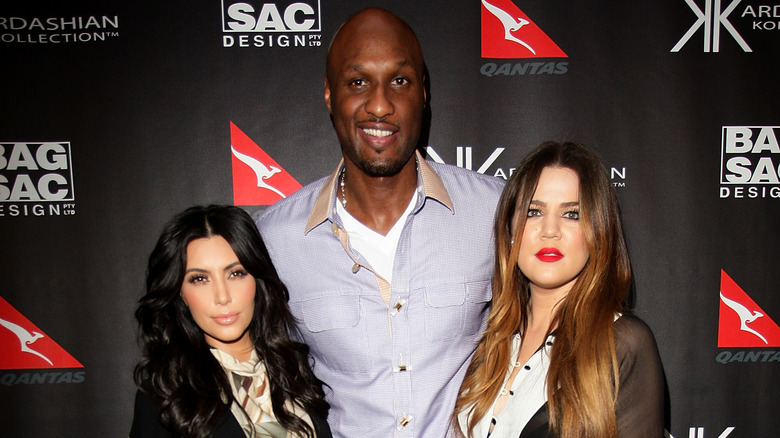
(426, 176)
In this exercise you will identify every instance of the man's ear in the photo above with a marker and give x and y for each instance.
(327, 94)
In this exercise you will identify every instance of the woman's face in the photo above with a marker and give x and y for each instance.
(552, 248)
(220, 294)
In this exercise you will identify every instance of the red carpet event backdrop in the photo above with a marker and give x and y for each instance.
(118, 114)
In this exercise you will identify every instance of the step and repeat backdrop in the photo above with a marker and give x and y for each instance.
(115, 115)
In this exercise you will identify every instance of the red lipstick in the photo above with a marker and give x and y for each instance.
(549, 255)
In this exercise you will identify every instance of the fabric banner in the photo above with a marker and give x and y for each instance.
(118, 114)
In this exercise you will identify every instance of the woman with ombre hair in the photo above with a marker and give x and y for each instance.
(561, 355)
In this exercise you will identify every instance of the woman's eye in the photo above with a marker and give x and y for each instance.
(574, 215)
(238, 273)
(533, 212)
(194, 279)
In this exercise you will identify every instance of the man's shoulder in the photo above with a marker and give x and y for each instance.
(297, 205)
(458, 177)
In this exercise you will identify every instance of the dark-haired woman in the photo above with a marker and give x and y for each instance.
(561, 355)
(217, 359)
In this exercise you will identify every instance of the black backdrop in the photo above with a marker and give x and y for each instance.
(117, 114)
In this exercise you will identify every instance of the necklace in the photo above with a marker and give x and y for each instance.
(342, 184)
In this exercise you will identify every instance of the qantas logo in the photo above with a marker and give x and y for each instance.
(25, 338)
(742, 323)
(257, 178)
(25, 346)
(508, 33)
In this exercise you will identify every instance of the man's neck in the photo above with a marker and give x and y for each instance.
(378, 202)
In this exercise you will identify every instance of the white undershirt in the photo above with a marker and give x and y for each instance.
(378, 250)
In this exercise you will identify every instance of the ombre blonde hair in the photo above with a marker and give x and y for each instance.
(582, 381)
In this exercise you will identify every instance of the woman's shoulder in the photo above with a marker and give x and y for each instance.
(146, 418)
(630, 326)
(147, 424)
(633, 336)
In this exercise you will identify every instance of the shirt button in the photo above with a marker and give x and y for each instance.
(402, 366)
(397, 307)
(355, 268)
(404, 421)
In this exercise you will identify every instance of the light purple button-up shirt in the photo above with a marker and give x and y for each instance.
(393, 355)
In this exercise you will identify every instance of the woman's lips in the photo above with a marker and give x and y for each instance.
(226, 319)
(549, 255)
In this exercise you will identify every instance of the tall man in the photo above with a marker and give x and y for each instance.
(389, 259)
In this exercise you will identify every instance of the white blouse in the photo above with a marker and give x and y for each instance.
(528, 393)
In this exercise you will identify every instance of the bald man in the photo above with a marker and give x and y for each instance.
(389, 259)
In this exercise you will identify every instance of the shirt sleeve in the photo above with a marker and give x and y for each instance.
(640, 401)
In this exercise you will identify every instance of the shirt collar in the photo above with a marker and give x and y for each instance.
(428, 182)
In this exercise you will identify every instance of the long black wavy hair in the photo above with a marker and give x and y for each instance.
(176, 368)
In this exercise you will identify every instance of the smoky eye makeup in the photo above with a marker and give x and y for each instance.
(196, 277)
(238, 272)
(573, 214)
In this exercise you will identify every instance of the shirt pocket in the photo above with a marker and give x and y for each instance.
(335, 325)
(455, 310)
(478, 296)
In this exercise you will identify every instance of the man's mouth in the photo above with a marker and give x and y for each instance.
(377, 132)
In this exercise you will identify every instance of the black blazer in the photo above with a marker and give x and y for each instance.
(146, 422)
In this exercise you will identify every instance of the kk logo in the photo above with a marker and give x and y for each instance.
(257, 178)
(25, 346)
(742, 323)
(712, 18)
(508, 33)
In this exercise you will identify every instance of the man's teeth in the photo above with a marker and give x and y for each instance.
(377, 132)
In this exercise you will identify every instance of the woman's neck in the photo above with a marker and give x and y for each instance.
(243, 354)
(542, 309)
(241, 349)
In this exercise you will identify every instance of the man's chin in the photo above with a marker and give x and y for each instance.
(379, 169)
